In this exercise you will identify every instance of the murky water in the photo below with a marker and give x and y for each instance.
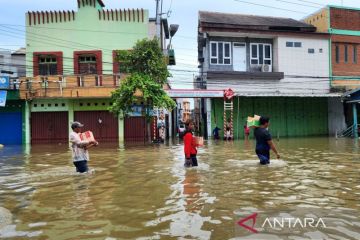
(146, 193)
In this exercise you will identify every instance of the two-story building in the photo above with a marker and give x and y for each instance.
(73, 68)
(12, 66)
(343, 25)
(277, 67)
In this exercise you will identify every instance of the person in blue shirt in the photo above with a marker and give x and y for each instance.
(216, 133)
(264, 142)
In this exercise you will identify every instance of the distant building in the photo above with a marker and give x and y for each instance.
(12, 66)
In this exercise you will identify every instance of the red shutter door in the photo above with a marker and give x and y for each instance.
(103, 124)
(49, 127)
(135, 129)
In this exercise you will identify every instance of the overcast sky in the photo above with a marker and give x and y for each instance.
(183, 12)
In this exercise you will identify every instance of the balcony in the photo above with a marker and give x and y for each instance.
(75, 86)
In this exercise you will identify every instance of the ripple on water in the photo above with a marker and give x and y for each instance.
(255, 163)
(146, 193)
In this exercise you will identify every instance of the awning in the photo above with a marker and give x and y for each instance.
(190, 93)
(352, 96)
(275, 94)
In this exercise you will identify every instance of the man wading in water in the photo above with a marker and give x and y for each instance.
(80, 148)
(264, 142)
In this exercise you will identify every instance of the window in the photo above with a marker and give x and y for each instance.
(220, 53)
(289, 44)
(311, 50)
(321, 50)
(294, 44)
(337, 54)
(354, 54)
(87, 64)
(261, 54)
(47, 65)
(298, 44)
(346, 54)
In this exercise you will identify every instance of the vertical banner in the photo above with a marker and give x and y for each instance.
(3, 98)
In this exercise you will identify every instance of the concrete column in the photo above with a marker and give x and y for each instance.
(70, 114)
(26, 128)
(121, 129)
(356, 135)
(336, 117)
(208, 117)
(170, 124)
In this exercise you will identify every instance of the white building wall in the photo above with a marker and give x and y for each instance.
(298, 64)
(305, 73)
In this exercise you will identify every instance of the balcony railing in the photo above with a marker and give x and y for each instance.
(74, 86)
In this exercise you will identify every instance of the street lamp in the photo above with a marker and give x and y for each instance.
(173, 29)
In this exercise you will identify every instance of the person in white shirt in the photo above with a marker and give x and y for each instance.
(80, 148)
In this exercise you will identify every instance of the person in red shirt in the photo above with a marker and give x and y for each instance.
(190, 145)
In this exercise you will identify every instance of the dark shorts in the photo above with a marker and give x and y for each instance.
(191, 162)
(81, 166)
(264, 156)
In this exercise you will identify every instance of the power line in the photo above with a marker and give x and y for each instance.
(311, 2)
(45, 39)
(268, 6)
(298, 4)
(84, 30)
(49, 39)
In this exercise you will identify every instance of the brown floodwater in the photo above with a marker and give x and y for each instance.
(144, 192)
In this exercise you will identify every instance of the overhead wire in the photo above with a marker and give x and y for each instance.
(268, 6)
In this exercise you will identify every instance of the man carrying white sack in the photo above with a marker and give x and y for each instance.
(80, 153)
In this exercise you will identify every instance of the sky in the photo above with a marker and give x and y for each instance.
(182, 12)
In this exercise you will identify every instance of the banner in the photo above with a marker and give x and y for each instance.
(4, 82)
(3, 98)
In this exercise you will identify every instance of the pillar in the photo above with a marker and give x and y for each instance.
(356, 135)
(121, 129)
(26, 127)
(170, 124)
(208, 117)
(70, 114)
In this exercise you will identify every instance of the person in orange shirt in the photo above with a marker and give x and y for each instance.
(190, 145)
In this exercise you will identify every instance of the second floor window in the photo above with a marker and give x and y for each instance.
(346, 58)
(337, 54)
(354, 54)
(260, 54)
(220, 53)
(47, 65)
(87, 64)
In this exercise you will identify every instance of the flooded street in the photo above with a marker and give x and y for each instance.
(142, 192)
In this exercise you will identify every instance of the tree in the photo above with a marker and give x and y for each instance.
(148, 73)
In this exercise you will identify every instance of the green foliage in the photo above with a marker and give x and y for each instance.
(146, 58)
(147, 75)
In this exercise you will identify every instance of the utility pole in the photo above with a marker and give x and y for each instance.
(158, 19)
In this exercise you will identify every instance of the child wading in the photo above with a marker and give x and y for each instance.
(190, 145)
(264, 142)
(80, 148)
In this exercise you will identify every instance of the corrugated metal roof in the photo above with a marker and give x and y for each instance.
(250, 20)
(274, 94)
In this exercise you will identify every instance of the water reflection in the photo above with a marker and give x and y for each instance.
(144, 192)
